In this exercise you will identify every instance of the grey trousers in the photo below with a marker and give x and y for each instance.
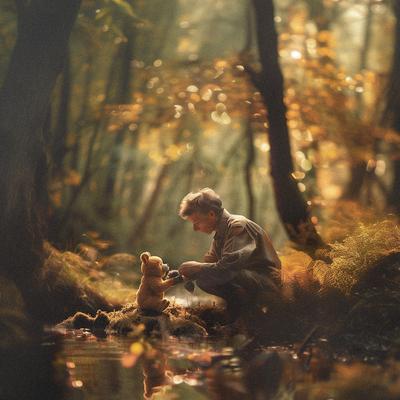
(246, 288)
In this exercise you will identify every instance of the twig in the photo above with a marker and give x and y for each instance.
(306, 340)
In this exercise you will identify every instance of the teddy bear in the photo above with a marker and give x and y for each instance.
(150, 295)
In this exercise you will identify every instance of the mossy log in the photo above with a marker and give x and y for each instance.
(129, 321)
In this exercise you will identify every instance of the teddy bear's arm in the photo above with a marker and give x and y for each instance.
(161, 286)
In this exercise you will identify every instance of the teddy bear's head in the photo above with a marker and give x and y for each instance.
(152, 265)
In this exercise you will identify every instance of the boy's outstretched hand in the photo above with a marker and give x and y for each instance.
(174, 274)
(189, 269)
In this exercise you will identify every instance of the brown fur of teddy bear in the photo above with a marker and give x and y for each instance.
(150, 295)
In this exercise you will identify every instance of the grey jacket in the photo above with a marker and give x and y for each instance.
(238, 244)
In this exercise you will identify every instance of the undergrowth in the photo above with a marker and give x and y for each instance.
(357, 254)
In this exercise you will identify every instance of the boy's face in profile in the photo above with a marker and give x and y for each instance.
(205, 223)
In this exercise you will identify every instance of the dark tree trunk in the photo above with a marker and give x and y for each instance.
(321, 15)
(248, 168)
(84, 109)
(291, 206)
(59, 142)
(391, 114)
(357, 177)
(44, 27)
(394, 196)
(317, 14)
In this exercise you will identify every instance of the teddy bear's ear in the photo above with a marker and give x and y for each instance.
(145, 257)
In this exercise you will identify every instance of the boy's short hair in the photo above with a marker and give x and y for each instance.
(203, 201)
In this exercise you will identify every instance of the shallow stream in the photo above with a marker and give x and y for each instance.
(76, 365)
(116, 368)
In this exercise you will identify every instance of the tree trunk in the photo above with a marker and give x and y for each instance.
(59, 142)
(139, 230)
(394, 195)
(248, 168)
(141, 226)
(358, 170)
(391, 114)
(60, 221)
(188, 171)
(81, 121)
(321, 15)
(291, 206)
(123, 97)
(44, 27)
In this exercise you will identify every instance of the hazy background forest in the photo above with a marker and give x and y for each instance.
(155, 101)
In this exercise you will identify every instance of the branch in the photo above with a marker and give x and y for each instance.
(255, 76)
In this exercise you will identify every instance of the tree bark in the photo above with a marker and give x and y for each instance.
(291, 206)
(59, 142)
(248, 168)
(44, 27)
(391, 114)
(81, 121)
(394, 195)
(123, 97)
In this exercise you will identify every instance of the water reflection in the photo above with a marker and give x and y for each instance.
(78, 365)
(154, 373)
(120, 368)
(117, 368)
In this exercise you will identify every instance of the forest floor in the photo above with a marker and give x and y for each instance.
(354, 300)
(336, 320)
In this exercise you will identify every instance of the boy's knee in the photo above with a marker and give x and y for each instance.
(205, 285)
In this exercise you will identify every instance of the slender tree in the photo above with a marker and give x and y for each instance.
(141, 225)
(248, 168)
(59, 142)
(359, 174)
(323, 18)
(391, 114)
(322, 14)
(139, 229)
(88, 169)
(81, 121)
(291, 206)
(123, 96)
(43, 31)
